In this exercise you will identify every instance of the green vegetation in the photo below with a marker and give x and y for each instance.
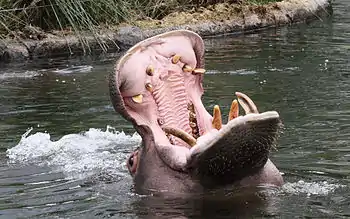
(261, 2)
(79, 15)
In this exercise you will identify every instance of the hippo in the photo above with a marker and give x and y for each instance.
(157, 86)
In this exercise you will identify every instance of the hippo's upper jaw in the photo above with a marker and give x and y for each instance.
(157, 85)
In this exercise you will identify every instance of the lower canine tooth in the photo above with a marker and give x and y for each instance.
(137, 98)
(246, 103)
(234, 110)
(181, 134)
(217, 120)
(187, 68)
(199, 71)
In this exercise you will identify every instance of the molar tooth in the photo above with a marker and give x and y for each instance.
(198, 71)
(195, 133)
(193, 125)
(246, 103)
(175, 59)
(150, 70)
(137, 98)
(217, 120)
(234, 111)
(192, 115)
(149, 87)
(181, 134)
(187, 68)
(190, 107)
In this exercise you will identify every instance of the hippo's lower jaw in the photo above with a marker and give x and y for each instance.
(157, 85)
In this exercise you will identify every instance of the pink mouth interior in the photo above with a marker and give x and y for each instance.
(174, 91)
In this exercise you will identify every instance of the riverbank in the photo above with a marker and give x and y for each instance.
(213, 20)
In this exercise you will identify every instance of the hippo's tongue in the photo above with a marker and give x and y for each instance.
(160, 86)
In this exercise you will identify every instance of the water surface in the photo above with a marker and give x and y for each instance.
(63, 148)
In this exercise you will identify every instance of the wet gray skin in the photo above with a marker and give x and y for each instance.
(157, 86)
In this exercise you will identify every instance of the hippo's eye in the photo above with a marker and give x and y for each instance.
(131, 161)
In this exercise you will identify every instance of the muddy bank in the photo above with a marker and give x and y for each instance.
(213, 20)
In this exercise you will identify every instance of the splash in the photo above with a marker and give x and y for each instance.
(310, 188)
(76, 155)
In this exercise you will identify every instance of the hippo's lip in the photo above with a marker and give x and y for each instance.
(158, 84)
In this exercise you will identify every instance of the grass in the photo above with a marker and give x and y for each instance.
(90, 15)
(262, 2)
(60, 14)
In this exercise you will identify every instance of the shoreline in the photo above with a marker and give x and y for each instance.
(242, 19)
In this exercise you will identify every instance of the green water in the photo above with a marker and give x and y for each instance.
(300, 71)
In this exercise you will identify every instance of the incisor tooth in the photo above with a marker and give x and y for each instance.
(137, 98)
(187, 68)
(150, 70)
(175, 59)
(217, 120)
(149, 87)
(180, 134)
(246, 103)
(199, 71)
(234, 110)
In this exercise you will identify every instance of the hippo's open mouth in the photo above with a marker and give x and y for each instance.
(158, 84)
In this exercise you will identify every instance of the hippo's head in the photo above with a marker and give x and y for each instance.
(157, 86)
